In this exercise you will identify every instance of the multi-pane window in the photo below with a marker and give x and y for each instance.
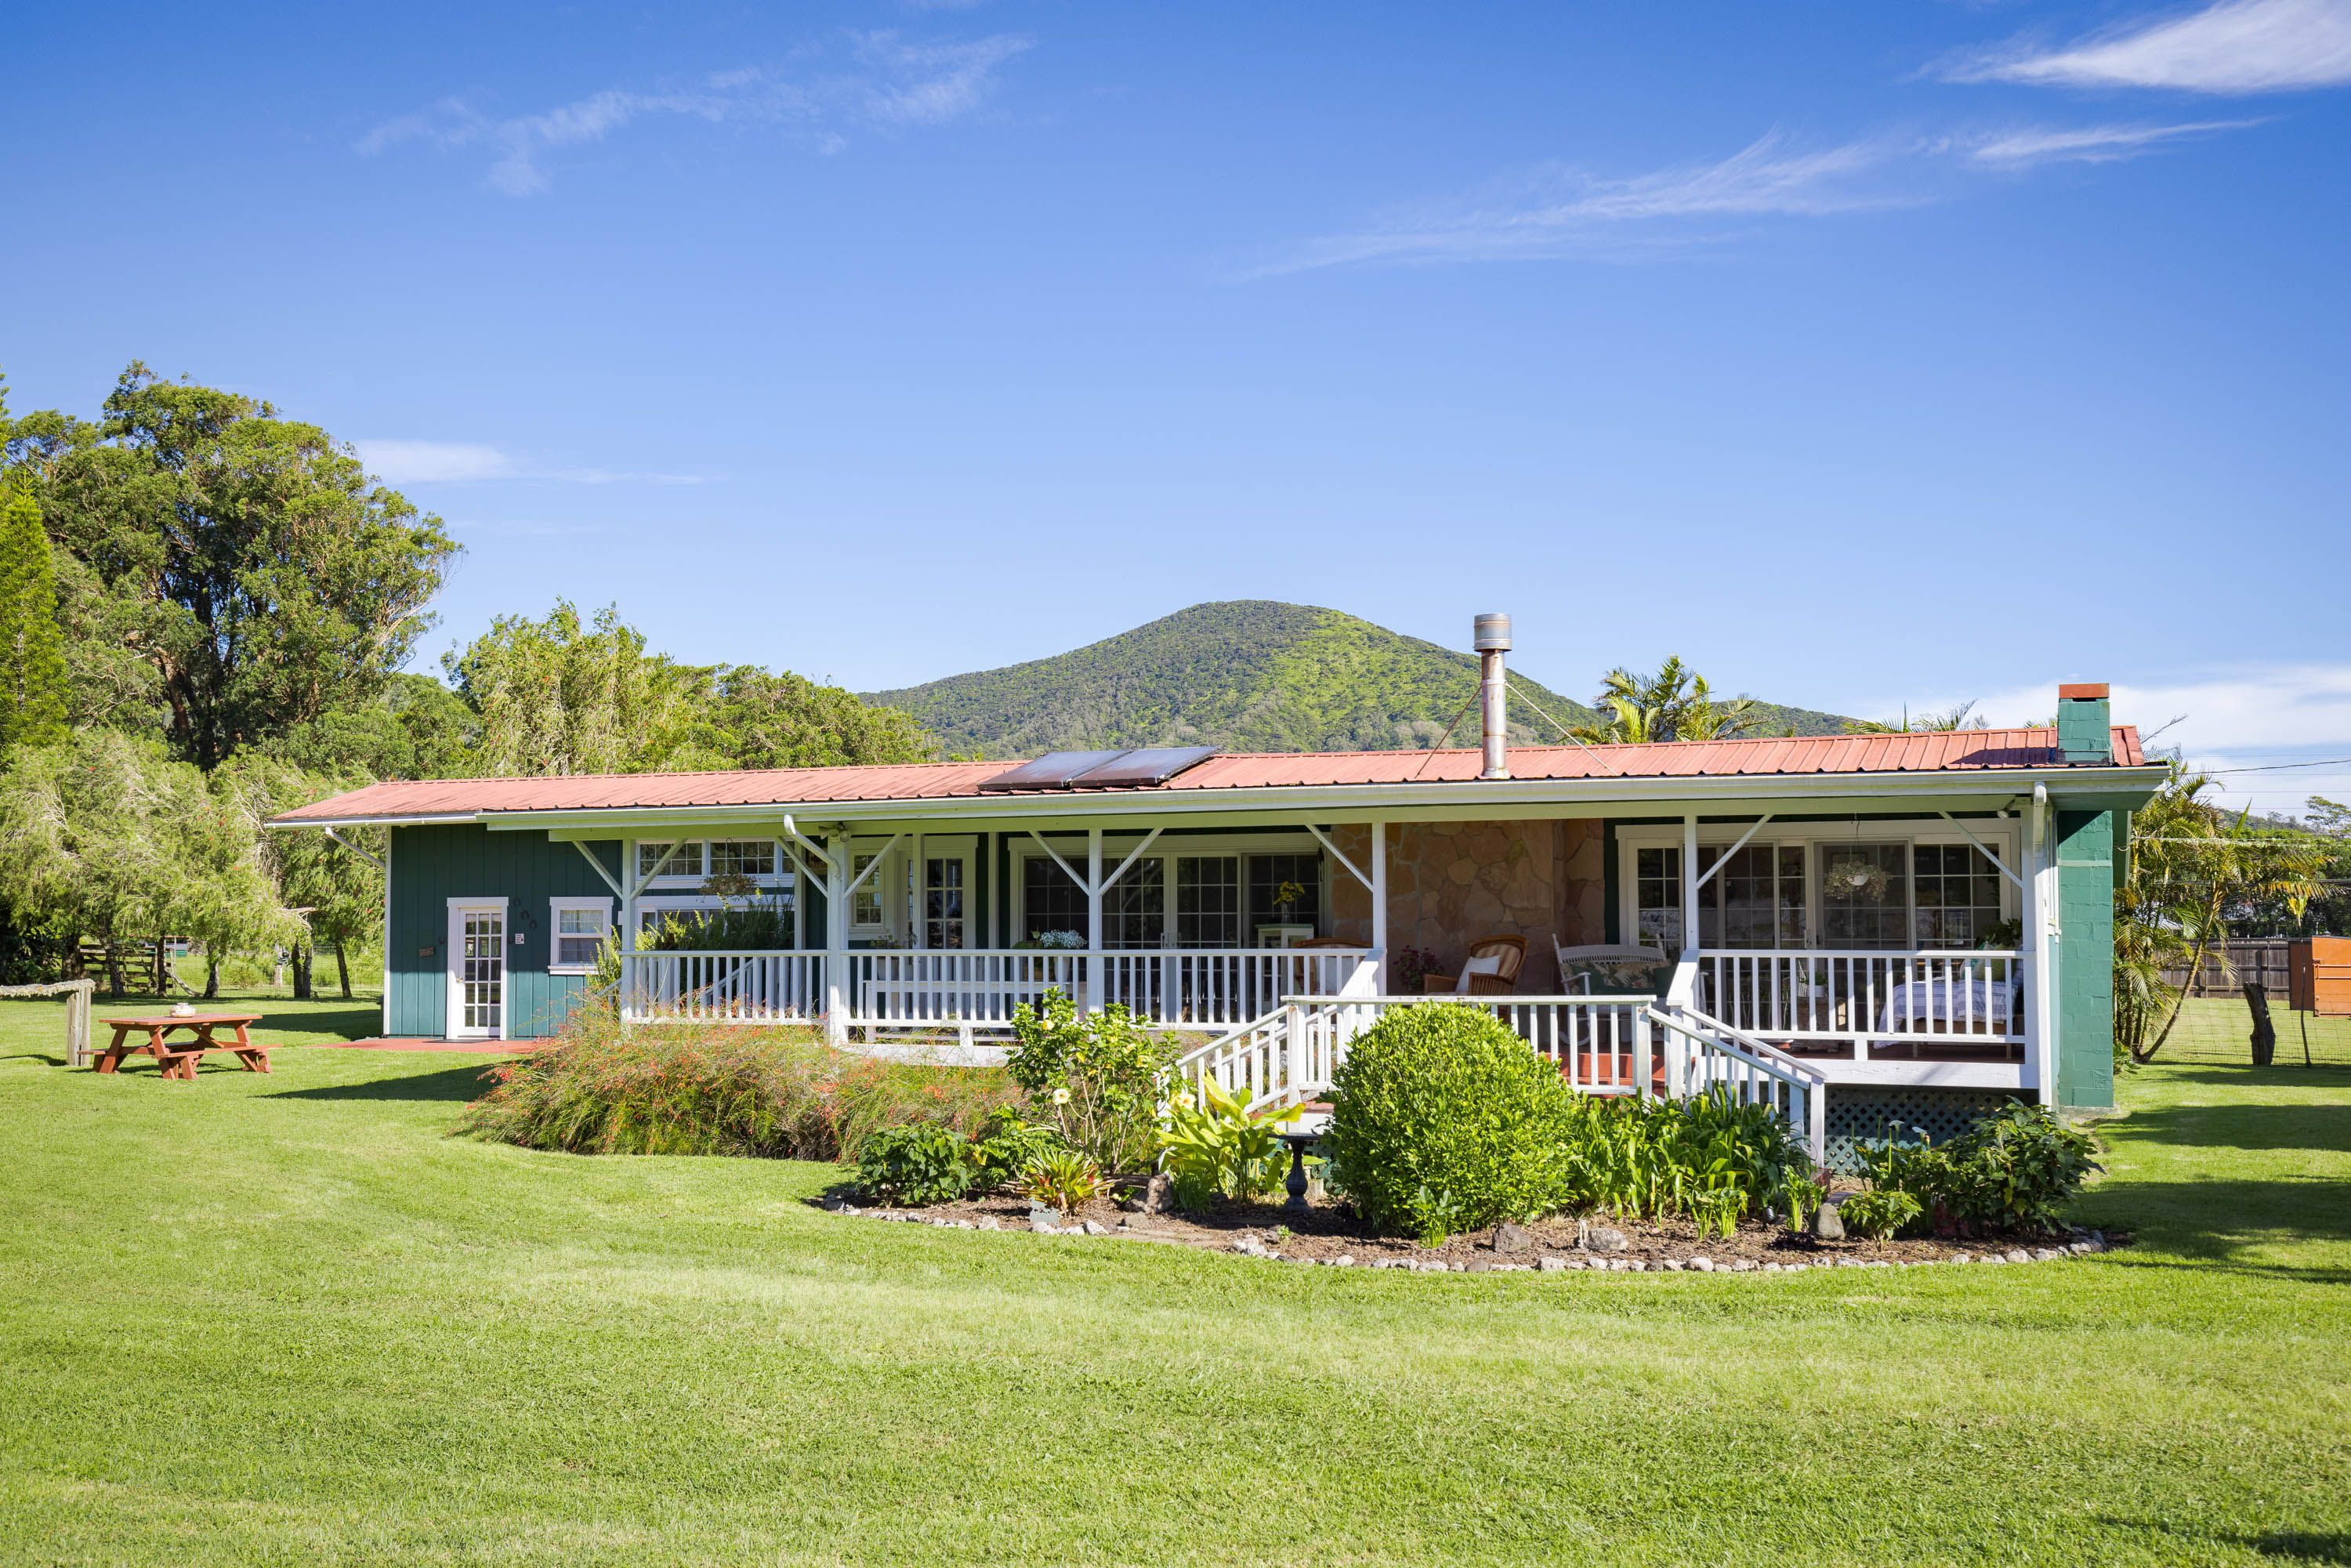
(1756, 900)
(1865, 894)
(1049, 900)
(1134, 907)
(1286, 890)
(943, 905)
(581, 925)
(743, 857)
(865, 904)
(1958, 892)
(1208, 901)
(687, 861)
(1658, 897)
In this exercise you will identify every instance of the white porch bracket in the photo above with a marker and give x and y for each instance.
(792, 835)
(660, 866)
(873, 865)
(610, 879)
(1999, 864)
(1083, 886)
(1128, 863)
(366, 855)
(1724, 858)
(1353, 869)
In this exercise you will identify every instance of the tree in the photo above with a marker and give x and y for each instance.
(418, 728)
(1674, 704)
(32, 657)
(561, 695)
(2191, 868)
(1961, 716)
(235, 571)
(776, 719)
(336, 894)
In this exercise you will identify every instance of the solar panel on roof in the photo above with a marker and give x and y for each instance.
(1054, 770)
(1143, 768)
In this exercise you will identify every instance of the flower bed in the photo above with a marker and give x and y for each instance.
(1328, 1234)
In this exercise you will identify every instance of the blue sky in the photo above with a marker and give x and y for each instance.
(1861, 354)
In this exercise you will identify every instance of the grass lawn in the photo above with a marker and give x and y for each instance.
(287, 1319)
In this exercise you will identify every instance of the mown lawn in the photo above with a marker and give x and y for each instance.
(287, 1319)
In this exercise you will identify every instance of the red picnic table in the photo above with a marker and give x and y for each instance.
(180, 1058)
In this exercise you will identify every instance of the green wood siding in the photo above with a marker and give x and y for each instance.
(2083, 985)
(431, 866)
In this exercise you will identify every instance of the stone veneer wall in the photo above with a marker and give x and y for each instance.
(1451, 882)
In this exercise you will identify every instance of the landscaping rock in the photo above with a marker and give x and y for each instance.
(1156, 1196)
(1511, 1237)
(1343, 1261)
(1961, 1258)
(1042, 1226)
(1478, 1265)
(1702, 1265)
(833, 1202)
(1096, 1228)
(2046, 1255)
(1553, 1265)
(2017, 1255)
(1827, 1223)
(1604, 1238)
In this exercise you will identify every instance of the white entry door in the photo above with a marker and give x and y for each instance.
(477, 970)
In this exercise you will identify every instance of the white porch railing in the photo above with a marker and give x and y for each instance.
(1603, 1045)
(1864, 998)
(974, 991)
(747, 986)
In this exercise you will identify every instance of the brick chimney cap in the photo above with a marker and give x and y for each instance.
(2086, 692)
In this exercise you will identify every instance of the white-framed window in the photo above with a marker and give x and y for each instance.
(742, 857)
(1886, 885)
(865, 911)
(1215, 892)
(687, 862)
(576, 930)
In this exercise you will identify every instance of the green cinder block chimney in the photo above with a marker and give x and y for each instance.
(2083, 726)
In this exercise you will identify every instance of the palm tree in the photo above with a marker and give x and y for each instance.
(1964, 717)
(1674, 704)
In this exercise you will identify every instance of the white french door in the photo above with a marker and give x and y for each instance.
(477, 970)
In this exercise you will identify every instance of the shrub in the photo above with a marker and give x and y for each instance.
(679, 1089)
(1218, 1147)
(919, 1162)
(1006, 1145)
(1708, 1157)
(1881, 1211)
(2016, 1169)
(1096, 1080)
(1445, 1119)
(1064, 1178)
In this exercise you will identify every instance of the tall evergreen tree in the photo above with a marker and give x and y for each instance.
(32, 649)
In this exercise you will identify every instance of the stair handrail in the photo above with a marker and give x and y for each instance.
(1807, 1085)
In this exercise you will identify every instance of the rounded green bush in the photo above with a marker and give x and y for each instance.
(918, 1164)
(1445, 1121)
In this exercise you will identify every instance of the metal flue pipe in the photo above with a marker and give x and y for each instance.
(1491, 638)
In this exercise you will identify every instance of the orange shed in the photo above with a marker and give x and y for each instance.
(2318, 976)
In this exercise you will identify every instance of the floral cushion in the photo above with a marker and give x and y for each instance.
(1619, 976)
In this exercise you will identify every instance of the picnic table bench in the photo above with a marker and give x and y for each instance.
(179, 1057)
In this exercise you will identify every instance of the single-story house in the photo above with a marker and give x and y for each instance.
(1910, 925)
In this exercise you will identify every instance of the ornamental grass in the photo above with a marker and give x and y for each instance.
(682, 1089)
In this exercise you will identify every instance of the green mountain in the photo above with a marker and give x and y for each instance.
(1247, 675)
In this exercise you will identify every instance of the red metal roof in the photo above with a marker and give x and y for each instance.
(1957, 751)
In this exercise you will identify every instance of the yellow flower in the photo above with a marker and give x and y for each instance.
(1060, 1096)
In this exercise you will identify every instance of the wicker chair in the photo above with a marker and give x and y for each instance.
(1507, 955)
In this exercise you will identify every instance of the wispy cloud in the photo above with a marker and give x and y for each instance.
(2086, 143)
(889, 82)
(2251, 718)
(1561, 212)
(459, 463)
(2235, 47)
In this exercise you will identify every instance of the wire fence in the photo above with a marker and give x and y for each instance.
(2218, 1032)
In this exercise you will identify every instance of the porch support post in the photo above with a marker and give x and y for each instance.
(1380, 901)
(1690, 885)
(836, 938)
(918, 897)
(1093, 919)
(629, 895)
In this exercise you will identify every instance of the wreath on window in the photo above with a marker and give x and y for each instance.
(1855, 879)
